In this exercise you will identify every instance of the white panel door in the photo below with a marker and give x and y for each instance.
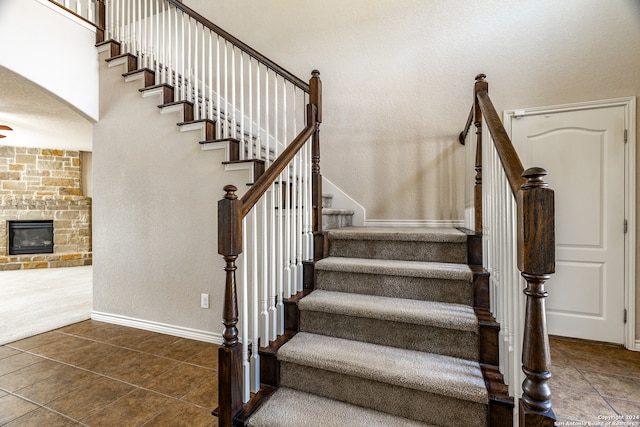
(583, 152)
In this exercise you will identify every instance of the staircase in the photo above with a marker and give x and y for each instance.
(388, 337)
(397, 330)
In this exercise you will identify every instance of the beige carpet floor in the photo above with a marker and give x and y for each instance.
(40, 300)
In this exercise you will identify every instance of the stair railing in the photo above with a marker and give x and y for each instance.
(514, 211)
(278, 197)
(87, 10)
(252, 100)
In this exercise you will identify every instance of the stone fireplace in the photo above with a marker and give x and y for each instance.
(39, 185)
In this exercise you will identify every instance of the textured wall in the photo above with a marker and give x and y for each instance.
(155, 215)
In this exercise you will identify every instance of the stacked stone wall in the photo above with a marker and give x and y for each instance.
(45, 184)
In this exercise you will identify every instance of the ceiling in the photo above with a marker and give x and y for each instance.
(39, 118)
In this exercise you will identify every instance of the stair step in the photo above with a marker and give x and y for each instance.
(449, 329)
(395, 381)
(327, 200)
(400, 243)
(293, 408)
(230, 145)
(336, 218)
(255, 166)
(429, 281)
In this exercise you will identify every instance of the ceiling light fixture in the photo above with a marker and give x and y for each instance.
(4, 127)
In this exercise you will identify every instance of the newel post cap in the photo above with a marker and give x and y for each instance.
(230, 223)
(536, 224)
(534, 178)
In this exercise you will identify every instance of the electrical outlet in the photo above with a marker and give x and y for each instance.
(204, 300)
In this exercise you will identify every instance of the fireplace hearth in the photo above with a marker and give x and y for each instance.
(30, 237)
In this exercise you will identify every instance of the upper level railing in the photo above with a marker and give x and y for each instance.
(514, 212)
(251, 99)
(87, 10)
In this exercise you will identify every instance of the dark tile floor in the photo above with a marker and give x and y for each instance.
(99, 374)
(595, 384)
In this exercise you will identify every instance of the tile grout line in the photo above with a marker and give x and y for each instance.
(101, 375)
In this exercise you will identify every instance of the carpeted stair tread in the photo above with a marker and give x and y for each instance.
(437, 374)
(409, 234)
(400, 243)
(431, 270)
(293, 408)
(429, 313)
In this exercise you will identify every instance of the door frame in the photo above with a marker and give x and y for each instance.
(629, 105)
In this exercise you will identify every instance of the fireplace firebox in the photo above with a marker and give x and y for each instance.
(30, 237)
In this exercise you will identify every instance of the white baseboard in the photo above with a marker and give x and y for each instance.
(637, 345)
(414, 223)
(163, 328)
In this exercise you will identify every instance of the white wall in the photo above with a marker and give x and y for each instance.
(47, 47)
(155, 196)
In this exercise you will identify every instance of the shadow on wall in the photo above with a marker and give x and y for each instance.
(429, 175)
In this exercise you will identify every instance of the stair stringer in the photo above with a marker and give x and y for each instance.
(501, 404)
(163, 94)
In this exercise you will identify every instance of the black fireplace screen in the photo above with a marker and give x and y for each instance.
(30, 237)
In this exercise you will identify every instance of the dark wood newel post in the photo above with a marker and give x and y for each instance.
(480, 85)
(230, 354)
(536, 261)
(315, 98)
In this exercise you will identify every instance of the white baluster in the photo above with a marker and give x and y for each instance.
(274, 297)
(170, 48)
(163, 58)
(78, 7)
(300, 215)
(308, 228)
(234, 128)
(258, 115)
(226, 91)
(245, 317)
(189, 70)
(267, 313)
(128, 26)
(194, 74)
(277, 279)
(210, 56)
(250, 130)
(138, 19)
(219, 126)
(203, 74)
(255, 308)
(118, 34)
(287, 275)
(242, 112)
(91, 12)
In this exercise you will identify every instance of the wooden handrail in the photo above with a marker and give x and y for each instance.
(508, 156)
(263, 183)
(245, 47)
(535, 247)
(465, 131)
